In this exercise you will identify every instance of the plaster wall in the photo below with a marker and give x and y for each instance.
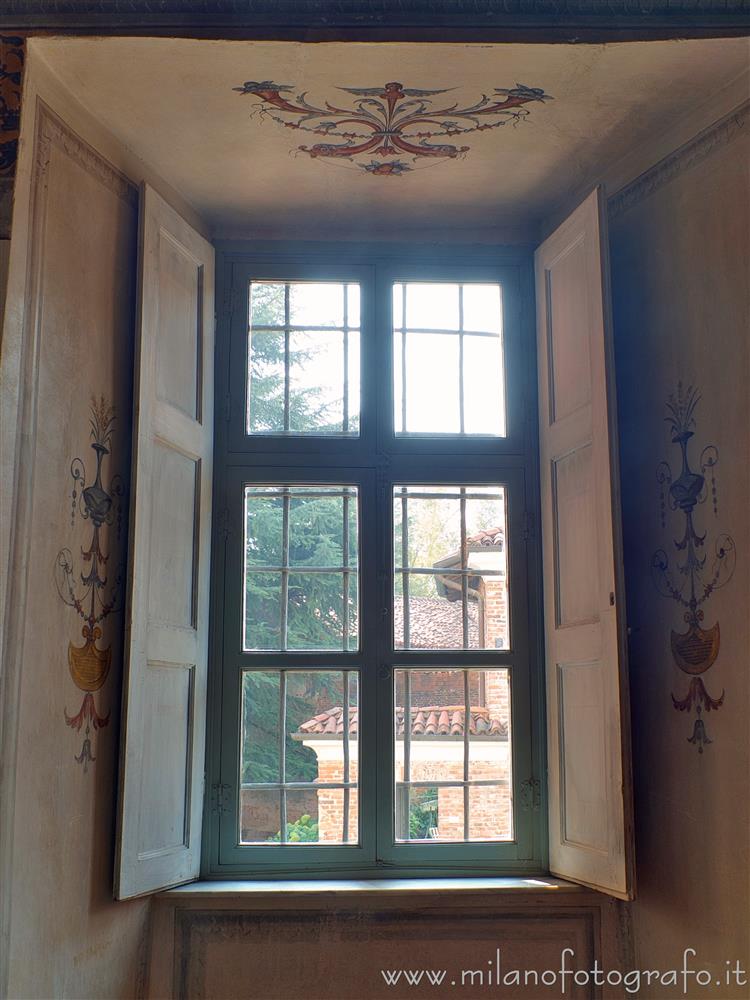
(680, 246)
(67, 339)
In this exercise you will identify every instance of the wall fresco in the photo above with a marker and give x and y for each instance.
(694, 577)
(11, 75)
(97, 593)
(389, 130)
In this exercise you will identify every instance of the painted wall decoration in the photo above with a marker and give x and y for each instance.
(389, 130)
(11, 73)
(97, 593)
(701, 566)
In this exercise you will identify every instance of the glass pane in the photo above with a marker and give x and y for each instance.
(316, 304)
(267, 303)
(452, 381)
(451, 568)
(482, 308)
(484, 386)
(262, 610)
(451, 785)
(266, 382)
(432, 306)
(319, 617)
(303, 358)
(352, 305)
(316, 380)
(311, 704)
(301, 558)
(352, 400)
(260, 815)
(260, 719)
(432, 399)
(265, 518)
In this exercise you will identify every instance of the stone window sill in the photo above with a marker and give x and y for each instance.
(242, 889)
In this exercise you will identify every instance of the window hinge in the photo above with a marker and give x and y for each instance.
(227, 407)
(530, 794)
(220, 798)
(223, 524)
(528, 525)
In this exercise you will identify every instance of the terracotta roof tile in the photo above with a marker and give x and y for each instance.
(435, 623)
(488, 536)
(437, 720)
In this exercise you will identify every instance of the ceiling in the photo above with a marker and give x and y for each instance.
(235, 154)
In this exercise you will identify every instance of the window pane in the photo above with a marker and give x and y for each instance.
(432, 306)
(266, 379)
(484, 396)
(281, 795)
(301, 558)
(316, 304)
(451, 571)
(432, 399)
(451, 784)
(482, 308)
(303, 358)
(448, 359)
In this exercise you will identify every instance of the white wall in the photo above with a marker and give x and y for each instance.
(680, 246)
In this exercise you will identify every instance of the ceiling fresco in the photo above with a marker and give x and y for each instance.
(387, 141)
(391, 129)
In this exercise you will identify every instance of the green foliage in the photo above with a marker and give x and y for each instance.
(266, 368)
(306, 692)
(423, 814)
(303, 831)
(315, 611)
(315, 604)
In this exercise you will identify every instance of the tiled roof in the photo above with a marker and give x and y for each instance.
(488, 536)
(445, 720)
(435, 623)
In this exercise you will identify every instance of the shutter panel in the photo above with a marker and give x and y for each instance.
(588, 729)
(166, 636)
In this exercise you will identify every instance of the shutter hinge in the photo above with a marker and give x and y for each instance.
(528, 525)
(530, 794)
(220, 798)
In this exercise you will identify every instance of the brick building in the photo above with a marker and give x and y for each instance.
(437, 714)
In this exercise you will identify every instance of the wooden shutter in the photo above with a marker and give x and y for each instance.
(166, 637)
(590, 810)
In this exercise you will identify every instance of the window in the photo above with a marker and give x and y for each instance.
(376, 600)
(375, 471)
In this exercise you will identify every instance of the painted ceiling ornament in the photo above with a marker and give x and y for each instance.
(695, 650)
(97, 599)
(11, 73)
(391, 122)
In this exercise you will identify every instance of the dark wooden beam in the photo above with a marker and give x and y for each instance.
(386, 20)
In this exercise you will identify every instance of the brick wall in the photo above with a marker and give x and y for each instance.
(331, 802)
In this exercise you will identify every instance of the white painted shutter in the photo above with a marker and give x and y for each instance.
(166, 635)
(588, 731)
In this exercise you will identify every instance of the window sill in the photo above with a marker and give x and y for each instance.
(235, 889)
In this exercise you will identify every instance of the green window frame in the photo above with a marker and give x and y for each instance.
(374, 462)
